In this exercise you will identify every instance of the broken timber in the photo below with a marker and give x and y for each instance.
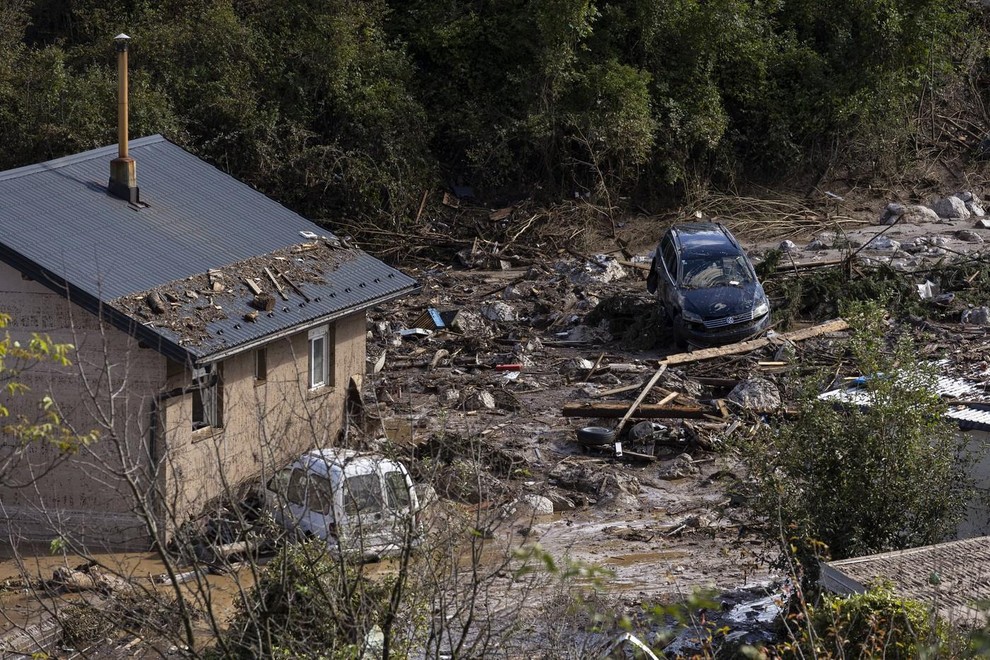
(835, 325)
(639, 399)
(613, 409)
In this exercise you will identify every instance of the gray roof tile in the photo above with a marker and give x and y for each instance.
(59, 225)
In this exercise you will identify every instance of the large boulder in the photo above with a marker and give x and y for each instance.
(951, 208)
(756, 394)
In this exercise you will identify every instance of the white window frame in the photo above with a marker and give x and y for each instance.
(319, 380)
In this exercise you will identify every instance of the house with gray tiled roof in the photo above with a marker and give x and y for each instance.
(215, 336)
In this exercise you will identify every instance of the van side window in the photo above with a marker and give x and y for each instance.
(397, 490)
(296, 492)
(320, 495)
(362, 494)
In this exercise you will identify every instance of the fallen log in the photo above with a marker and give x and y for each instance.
(835, 325)
(614, 409)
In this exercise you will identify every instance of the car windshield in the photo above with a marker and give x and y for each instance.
(705, 272)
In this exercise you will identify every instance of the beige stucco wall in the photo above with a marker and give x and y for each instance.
(113, 385)
(265, 423)
(109, 387)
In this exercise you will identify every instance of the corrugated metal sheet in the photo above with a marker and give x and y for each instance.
(58, 222)
(970, 417)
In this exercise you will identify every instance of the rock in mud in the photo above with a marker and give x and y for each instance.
(882, 243)
(951, 208)
(787, 246)
(680, 467)
(499, 311)
(973, 203)
(756, 394)
(531, 504)
(969, 236)
(976, 316)
(478, 400)
(472, 325)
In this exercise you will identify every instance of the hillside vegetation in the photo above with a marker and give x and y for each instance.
(355, 108)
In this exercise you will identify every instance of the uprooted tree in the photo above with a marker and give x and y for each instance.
(880, 469)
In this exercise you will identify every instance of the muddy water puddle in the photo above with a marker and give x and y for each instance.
(644, 558)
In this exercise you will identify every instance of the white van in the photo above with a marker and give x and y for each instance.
(362, 505)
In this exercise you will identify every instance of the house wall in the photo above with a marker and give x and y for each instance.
(109, 387)
(114, 385)
(265, 423)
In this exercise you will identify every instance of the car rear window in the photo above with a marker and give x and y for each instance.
(362, 494)
(398, 491)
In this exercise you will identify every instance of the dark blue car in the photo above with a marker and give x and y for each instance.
(707, 286)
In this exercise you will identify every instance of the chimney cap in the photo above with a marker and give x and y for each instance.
(121, 37)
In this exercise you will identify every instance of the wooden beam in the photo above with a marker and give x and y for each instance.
(835, 325)
(639, 399)
(617, 390)
(614, 409)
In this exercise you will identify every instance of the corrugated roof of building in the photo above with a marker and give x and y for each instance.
(974, 414)
(59, 225)
(952, 576)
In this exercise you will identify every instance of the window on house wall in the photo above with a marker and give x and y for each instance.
(261, 364)
(320, 357)
(207, 399)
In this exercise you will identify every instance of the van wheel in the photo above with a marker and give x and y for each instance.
(679, 337)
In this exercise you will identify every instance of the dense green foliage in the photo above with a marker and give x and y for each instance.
(341, 107)
(878, 473)
(874, 624)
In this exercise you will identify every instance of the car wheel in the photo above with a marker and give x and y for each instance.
(594, 436)
(680, 339)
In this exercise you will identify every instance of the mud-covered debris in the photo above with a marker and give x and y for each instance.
(600, 269)
(520, 291)
(786, 352)
(463, 480)
(560, 501)
(576, 366)
(681, 467)
(478, 400)
(983, 223)
(645, 430)
(787, 246)
(976, 316)
(756, 394)
(472, 324)
(499, 311)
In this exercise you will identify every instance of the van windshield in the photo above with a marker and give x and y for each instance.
(362, 494)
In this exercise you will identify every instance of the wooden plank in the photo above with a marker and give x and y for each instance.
(594, 367)
(639, 399)
(835, 325)
(618, 390)
(278, 287)
(251, 284)
(614, 409)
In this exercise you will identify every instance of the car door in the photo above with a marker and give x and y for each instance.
(400, 501)
(365, 530)
(667, 281)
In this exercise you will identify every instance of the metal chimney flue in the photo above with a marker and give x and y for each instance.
(123, 169)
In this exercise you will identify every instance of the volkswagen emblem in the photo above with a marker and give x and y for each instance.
(730, 319)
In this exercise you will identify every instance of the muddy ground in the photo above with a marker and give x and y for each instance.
(467, 381)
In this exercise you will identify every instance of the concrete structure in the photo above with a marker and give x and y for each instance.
(215, 335)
